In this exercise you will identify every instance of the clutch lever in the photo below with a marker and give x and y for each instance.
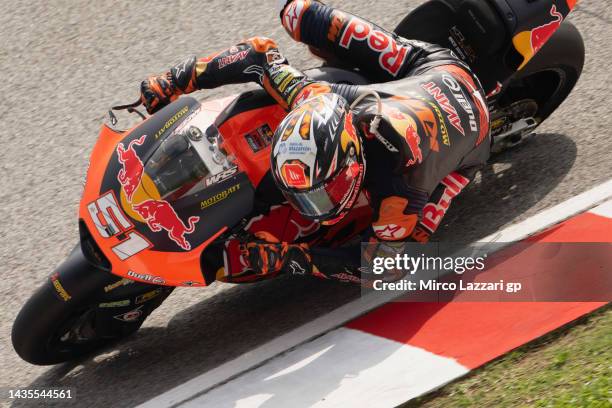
(130, 107)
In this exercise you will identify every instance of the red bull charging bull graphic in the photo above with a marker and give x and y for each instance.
(130, 175)
(160, 215)
(529, 42)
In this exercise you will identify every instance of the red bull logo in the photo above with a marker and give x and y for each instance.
(405, 125)
(130, 175)
(528, 43)
(413, 140)
(391, 53)
(541, 34)
(160, 215)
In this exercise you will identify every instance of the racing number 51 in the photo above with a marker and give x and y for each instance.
(111, 221)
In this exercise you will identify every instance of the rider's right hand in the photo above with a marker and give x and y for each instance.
(158, 91)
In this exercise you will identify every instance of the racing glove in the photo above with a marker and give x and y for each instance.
(158, 91)
(269, 256)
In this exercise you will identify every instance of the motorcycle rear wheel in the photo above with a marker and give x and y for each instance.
(549, 77)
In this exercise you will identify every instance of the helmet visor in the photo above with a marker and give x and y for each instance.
(327, 199)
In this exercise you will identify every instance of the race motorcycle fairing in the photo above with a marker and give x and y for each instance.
(156, 196)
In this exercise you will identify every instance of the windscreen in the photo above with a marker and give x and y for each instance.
(185, 158)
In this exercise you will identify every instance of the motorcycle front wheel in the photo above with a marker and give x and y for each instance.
(74, 313)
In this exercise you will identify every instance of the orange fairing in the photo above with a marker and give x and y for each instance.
(168, 268)
(255, 164)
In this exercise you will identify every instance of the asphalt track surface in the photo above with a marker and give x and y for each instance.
(64, 63)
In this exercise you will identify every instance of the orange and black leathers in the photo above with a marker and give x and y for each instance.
(254, 60)
(434, 132)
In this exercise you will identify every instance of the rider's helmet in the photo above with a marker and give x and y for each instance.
(317, 158)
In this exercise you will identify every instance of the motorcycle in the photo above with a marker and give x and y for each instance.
(162, 199)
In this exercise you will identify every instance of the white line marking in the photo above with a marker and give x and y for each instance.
(604, 210)
(225, 372)
(343, 368)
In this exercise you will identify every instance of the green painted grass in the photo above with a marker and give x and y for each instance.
(570, 367)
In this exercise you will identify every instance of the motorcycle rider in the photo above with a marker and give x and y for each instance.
(423, 128)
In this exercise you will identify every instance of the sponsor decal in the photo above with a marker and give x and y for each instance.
(442, 125)
(120, 282)
(425, 115)
(118, 303)
(405, 125)
(230, 59)
(303, 96)
(433, 212)
(259, 138)
(146, 278)
(440, 97)
(412, 141)
(147, 296)
(389, 231)
(159, 215)
(392, 54)
(528, 43)
(131, 173)
(388, 145)
(59, 289)
(296, 268)
(338, 20)
(255, 69)
(346, 277)
(219, 197)
(457, 39)
(459, 96)
(541, 34)
(219, 177)
(171, 121)
(294, 148)
(131, 316)
(460, 75)
(278, 78)
(356, 189)
(181, 67)
(294, 174)
(274, 57)
(292, 17)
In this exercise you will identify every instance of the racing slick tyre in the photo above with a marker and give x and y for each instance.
(74, 313)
